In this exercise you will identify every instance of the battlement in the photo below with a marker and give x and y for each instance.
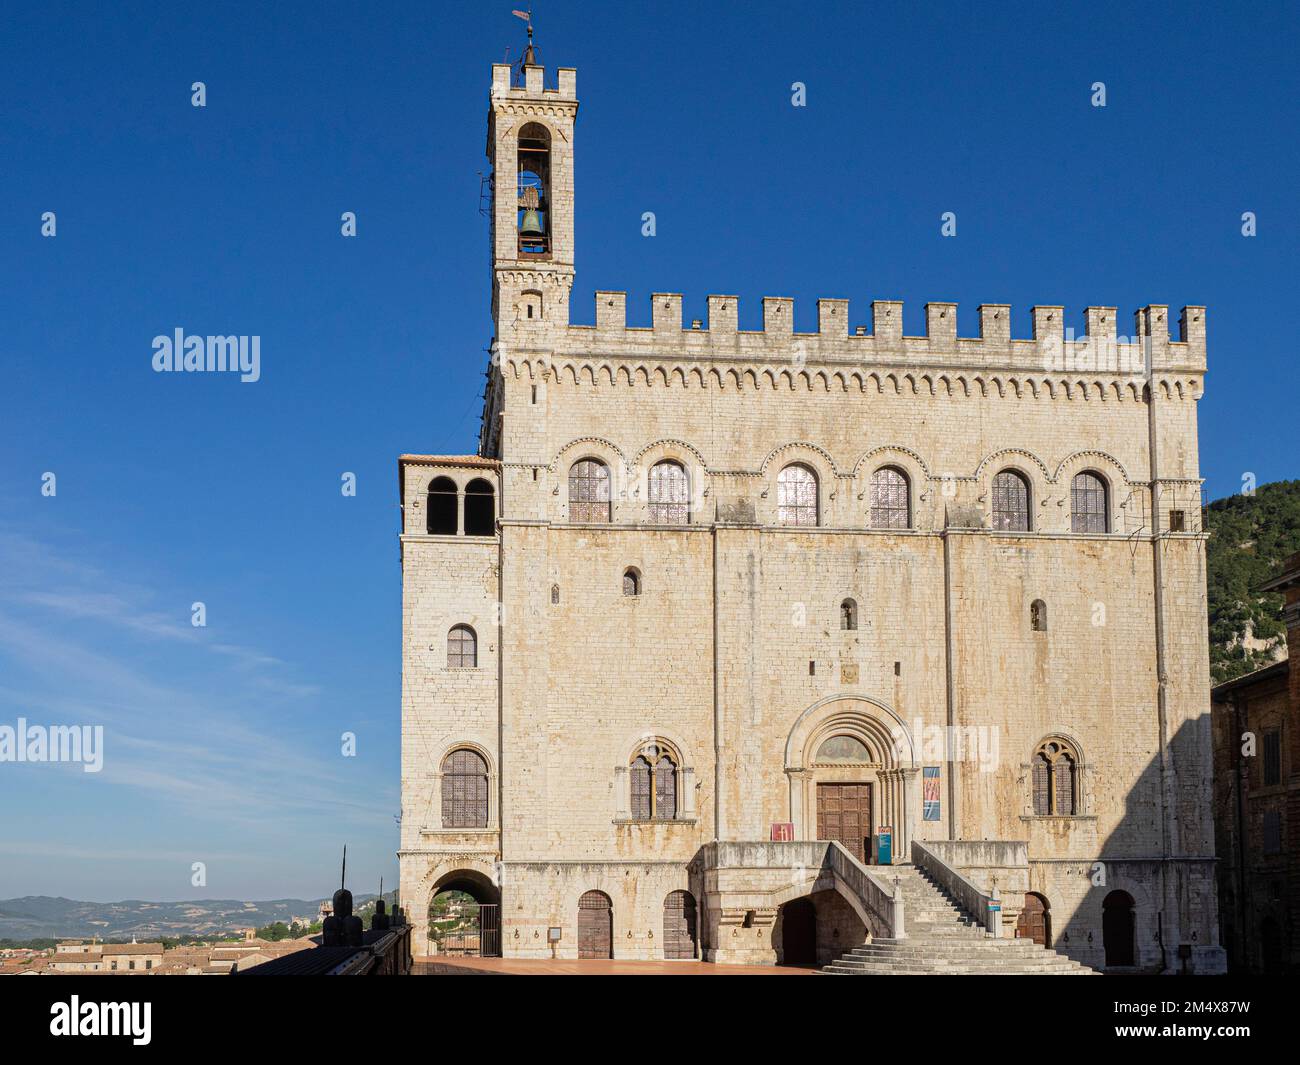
(1052, 345)
(533, 88)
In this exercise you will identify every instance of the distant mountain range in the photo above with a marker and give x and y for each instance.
(43, 917)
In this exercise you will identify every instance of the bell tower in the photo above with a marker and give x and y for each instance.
(530, 147)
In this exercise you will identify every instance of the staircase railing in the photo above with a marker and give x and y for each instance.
(821, 859)
(984, 907)
(882, 899)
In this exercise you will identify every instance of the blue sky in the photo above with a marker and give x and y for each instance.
(222, 742)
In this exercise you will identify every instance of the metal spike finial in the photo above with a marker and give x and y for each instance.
(344, 878)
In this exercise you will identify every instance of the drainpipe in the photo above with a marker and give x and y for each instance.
(717, 705)
(1162, 676)
(949, 651)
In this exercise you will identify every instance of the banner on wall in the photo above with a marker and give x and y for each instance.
(930, 792)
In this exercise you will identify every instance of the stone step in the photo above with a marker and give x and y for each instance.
(943, 939)
(908, 960)
(960, 970)
(1010, 947)
(884, 966)
(948, 950)
(920, 966)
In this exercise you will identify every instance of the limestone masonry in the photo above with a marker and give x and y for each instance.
(719, 625)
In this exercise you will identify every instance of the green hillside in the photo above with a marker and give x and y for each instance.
(1249, 537)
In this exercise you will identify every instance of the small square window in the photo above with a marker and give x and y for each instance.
(1178, 521)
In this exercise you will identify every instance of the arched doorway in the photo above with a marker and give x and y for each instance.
(679, 925)
(595, 926)
(465, 915)
(851, 767)
(799, 932)
(1117, 928)
(1035, 922)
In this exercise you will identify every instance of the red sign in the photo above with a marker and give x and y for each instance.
(782, 831)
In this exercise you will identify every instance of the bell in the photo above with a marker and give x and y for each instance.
(531, 226)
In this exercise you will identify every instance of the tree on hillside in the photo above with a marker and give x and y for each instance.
(1250, 536)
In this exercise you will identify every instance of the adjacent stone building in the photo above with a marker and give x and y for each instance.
(1257, 802)
(708, 595)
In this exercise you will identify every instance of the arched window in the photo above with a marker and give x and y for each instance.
(480, 508)
(589, 491)
(796, 495)
(1056, 779)
(654, 786)
(665, 806)
(669, 494)
(1010, 502)
(1038, 616)
(1089, 507)
(440, 508)
(642, 777)
(462, 648)
(631, 583)
(848, 615)
(464, 790)
(534, 189)
(890, 499)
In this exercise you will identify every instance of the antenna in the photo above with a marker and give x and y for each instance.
(344, 879)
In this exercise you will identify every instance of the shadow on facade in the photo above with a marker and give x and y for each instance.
(1145, 901)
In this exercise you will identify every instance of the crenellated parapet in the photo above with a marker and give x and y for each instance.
(1052, 347)
(563, 94)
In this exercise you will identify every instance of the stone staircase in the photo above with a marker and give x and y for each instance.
(942, 938)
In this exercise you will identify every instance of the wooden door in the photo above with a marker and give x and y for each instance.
(844, 814)
(595, 926)
(679, 925)
(1032, 923)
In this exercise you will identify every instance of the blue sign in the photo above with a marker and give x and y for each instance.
(885, 845)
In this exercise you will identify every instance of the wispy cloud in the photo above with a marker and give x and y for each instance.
(201, 733)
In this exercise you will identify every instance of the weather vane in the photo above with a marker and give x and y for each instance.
(530, 53)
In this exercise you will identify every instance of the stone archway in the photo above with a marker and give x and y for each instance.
(798, 923)
(852, 750)
(482, 888)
